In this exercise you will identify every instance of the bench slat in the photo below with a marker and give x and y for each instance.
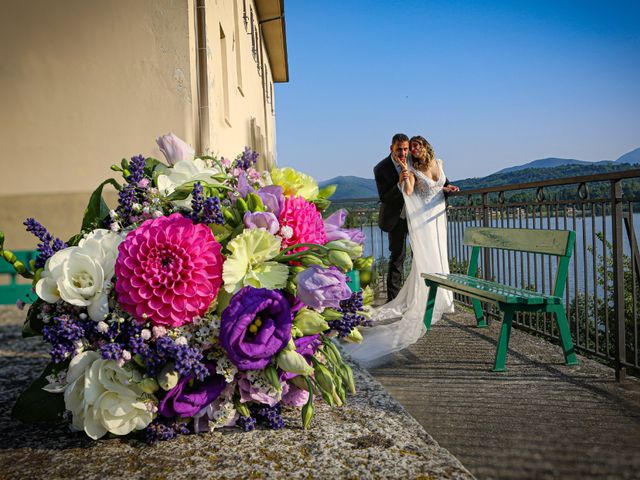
(23, 255)
(490, 291)
(551, 242)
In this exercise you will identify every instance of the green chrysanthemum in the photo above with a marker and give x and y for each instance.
(248, 263)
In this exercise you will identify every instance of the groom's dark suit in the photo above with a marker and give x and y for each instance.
(391, 205)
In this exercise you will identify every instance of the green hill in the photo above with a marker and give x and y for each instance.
(352, 187)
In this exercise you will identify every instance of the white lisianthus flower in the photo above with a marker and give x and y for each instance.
(104, 397)
(81, 275)
(183, 172)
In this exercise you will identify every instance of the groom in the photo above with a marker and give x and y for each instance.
(391, 218)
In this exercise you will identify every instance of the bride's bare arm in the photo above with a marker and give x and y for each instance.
(407, 181)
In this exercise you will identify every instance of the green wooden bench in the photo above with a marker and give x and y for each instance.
(14, 291)
(509, 299)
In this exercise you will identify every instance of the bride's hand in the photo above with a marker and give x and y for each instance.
(404, 175)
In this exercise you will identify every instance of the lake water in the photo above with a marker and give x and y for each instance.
(527, 269)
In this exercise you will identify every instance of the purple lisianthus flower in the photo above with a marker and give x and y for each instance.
(269, 312)
(333, 228)
(244, 188)
(295, 397)
(272, 198)
(249, 393)
(175, 149)
(320, 287)
(305, 346)
(265, 220)
(187, 398)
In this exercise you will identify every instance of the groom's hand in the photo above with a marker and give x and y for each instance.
(450, 189)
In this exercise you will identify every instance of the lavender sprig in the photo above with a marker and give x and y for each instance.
(351, 315)
(45, 248)
(247, 159)
(136, 169)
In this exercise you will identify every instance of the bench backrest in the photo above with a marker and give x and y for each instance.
(23, 255)
(12, 291)
(549, 242)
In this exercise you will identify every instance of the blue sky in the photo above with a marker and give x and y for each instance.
(490, 84)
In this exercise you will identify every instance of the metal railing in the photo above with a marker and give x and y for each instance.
(603, 286)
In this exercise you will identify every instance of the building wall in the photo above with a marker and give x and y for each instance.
(84, 84)
(242, 104)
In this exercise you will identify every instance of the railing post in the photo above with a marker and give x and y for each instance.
(618, 278)
(486, 223)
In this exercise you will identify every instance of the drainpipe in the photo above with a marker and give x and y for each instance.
(203, 136)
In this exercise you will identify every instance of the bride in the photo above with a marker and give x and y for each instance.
(399, 323)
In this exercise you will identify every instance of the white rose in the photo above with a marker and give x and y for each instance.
(104, 397)
(183, 172)
(78, 274)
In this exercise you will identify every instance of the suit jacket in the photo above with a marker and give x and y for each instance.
(391, 199)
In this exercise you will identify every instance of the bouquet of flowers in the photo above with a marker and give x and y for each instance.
(210, 297)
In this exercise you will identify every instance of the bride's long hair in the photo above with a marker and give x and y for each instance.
(426, 156)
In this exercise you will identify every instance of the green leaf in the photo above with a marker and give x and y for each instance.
(180, 193)
(33, 325)
(97, 209)
(222, 233)
(151, 166)
(327, 191)
(73, 241)
(321, 203)
(36, 405)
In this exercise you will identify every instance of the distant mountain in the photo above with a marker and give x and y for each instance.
(537, 170)
(540, 174)
(352, 187)
(545, 163)
(632, 157)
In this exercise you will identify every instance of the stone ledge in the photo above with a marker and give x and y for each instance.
(371, 437)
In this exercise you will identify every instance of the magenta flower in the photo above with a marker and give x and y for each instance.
(188, 397)
(168, 271)
(255, 326)
(333, 228)
(304, 219)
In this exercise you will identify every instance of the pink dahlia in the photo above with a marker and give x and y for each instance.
(304, 219)
(168, 271)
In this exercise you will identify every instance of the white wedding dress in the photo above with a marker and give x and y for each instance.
(400, 323)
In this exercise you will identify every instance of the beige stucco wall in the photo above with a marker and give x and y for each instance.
(249, 94)
(86, 83)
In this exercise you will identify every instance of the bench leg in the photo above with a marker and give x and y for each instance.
(431, 303)
(503, 341)
(481, 322)
(565, 335)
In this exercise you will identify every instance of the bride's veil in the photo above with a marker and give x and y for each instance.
(399, 323)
